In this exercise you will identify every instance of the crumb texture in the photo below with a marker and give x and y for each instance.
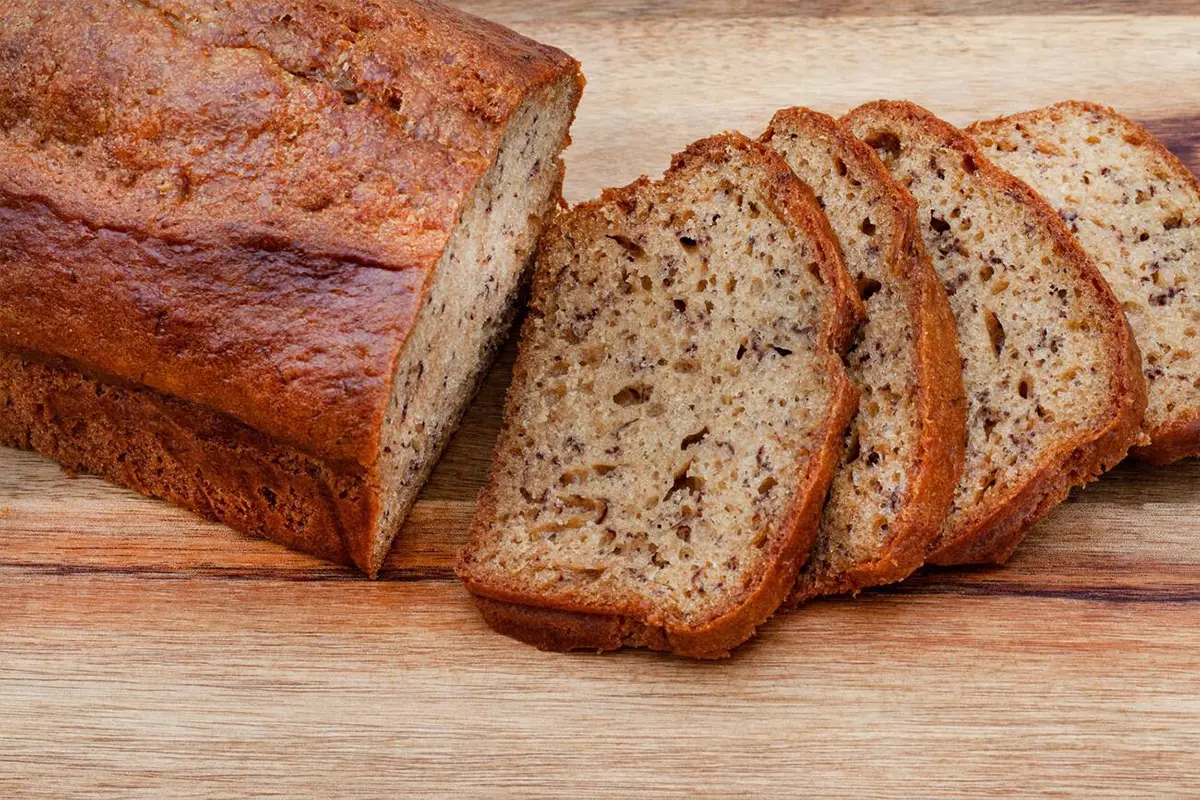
(1137, 211)
(1038, 338)
(672, 388)
(470, 303)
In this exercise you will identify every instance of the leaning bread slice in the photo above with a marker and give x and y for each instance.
(904, 449)
(1136, 208)
(1054, 387)
(677, 410)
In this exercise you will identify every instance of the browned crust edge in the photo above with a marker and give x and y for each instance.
(178, 451)
(941, 401)
(1171, 442)
(998, 535)
(560, 626)
(992, 533)
(1177, 438)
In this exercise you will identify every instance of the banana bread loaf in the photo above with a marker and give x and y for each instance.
(254, 257)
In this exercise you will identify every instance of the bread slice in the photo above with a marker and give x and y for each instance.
(1136, 208)
(904, 450)
(1054, 387)
(676, 413)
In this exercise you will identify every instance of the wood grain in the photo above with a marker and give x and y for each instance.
(147, 653)
(522, 15)
(656, 84)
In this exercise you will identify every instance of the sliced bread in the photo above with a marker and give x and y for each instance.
(676, 414)
(904, 449)
(1054, 387)
(1136, 208)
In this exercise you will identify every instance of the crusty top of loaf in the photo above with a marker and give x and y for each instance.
(240, 206)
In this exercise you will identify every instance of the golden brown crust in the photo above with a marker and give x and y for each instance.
(1172, 442)
(562, 625)
(941, 402)
(562, 631)
(991, 532)
(241, 207)
(1178, 438)
(296, 345)
(175, 450)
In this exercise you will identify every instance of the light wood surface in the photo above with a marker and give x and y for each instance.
(146, 653)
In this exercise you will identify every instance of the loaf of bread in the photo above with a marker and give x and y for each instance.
(676, 413)
(904, 451)
(1136, 208)
(254, 257)
(1052, 375)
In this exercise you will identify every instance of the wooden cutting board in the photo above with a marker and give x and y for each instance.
(146, 653)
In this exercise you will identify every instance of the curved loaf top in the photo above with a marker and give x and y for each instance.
(240, 204)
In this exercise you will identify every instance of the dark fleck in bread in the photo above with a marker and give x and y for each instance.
(904, 451)
(255, 256)
(1136, 208)
(676, 412)
(1052, 375)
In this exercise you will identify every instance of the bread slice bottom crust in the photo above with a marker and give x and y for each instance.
(563, 625)
(1169, 443)
(562, 628)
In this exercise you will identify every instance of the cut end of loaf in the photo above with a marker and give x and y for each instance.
(470, 303)
(675, 408)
